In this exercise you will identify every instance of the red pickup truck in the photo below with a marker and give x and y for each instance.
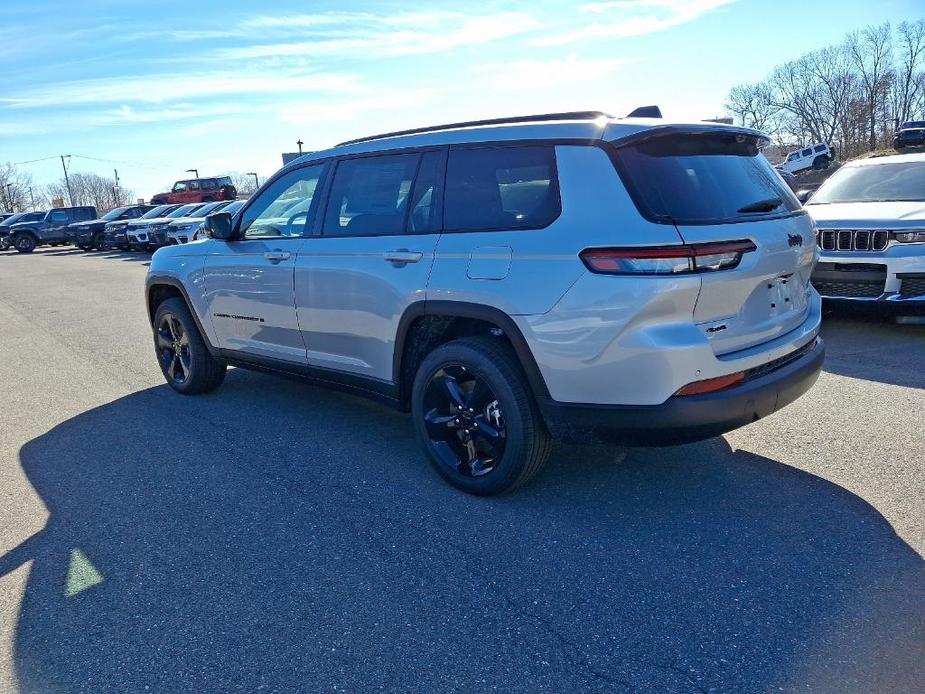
(198, 190)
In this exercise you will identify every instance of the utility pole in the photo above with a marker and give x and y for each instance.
(9, 195)
(32, 197)
(67, 181)
(300, 143)
(115, 188)
(193, 171)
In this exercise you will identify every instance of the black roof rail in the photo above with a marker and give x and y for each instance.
(568, 115)
(645, 112)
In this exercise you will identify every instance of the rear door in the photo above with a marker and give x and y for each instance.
(371, 259)
(716, 188)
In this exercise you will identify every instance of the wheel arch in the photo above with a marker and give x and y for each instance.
(426, 324)
(159, 288)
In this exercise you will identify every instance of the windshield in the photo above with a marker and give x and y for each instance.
(233, 207)
(913, 124)
(206, 209)
(184, 211)
(158, 211)
(900, 181)
(703, 179)
(13, 218)
(114, 213)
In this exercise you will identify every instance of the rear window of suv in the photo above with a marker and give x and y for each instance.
(501, 188)
(703, 179)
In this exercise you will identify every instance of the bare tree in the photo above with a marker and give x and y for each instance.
(753, 106)
(244, 182)
(15, 185)
(910, 63)
(91, 189)
(871, 52)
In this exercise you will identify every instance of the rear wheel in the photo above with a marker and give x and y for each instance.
(476, 418)
(98, 242)
(182, 353)
(821, 162)
(25, 243)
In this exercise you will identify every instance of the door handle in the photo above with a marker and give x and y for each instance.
(276, 256)
(402, 256)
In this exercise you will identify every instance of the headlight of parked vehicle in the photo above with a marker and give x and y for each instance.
(914, 236)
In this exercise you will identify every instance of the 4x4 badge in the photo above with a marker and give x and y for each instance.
(794, 240)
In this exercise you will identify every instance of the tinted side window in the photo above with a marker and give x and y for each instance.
(819, 148)
(501, 188)
(283, 209)
(58, 216)
(370, 196)
(806, 152)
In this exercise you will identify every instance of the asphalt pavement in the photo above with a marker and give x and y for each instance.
(274, 536)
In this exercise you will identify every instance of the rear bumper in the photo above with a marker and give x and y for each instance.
(688, 418)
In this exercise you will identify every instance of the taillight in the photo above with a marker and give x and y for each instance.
(666, 260)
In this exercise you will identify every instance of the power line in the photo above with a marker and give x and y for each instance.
(32, 161)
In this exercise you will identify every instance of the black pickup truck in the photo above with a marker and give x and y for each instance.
(90, 235)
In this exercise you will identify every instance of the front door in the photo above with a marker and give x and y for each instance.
(371, 260)
(249, 281)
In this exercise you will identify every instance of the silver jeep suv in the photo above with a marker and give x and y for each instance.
(570, 275)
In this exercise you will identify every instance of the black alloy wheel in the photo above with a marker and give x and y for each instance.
(464, 421)
(173, 349)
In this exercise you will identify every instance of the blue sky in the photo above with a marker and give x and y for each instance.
(158, 87)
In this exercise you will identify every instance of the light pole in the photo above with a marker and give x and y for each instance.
(256, 180)
(300, 143)
(193, 171)
(9, 195)
(32, 197)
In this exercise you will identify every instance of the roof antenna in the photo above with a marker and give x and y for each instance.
(645, 112)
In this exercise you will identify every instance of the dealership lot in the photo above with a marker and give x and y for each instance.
(273, 534)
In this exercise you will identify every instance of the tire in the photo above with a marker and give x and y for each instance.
(520, 445)
(24, 243)
(98, 242)
(201, 372)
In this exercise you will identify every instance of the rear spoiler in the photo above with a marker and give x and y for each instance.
(689, 129)
(645, 112)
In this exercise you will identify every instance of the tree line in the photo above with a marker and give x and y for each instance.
(18, 193)
(851, 95)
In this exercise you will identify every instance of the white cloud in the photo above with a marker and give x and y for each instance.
(545, 74)
(408, 34)
(173, 88)
(625, 18)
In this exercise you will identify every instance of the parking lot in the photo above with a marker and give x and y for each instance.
(275, 536)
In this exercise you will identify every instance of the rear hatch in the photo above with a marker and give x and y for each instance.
(714, 185)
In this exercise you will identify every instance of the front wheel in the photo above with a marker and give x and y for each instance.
(182, 353)
(25, 243)
(476, 418)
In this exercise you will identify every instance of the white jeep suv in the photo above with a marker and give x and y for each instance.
(871, 232)
(508, 281)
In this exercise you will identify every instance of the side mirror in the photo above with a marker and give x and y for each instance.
(804, 195)
(219, 226)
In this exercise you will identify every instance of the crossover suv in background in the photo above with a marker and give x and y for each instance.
(911, 134)
(139, 233)
(91, 235)
(185, 230)
(16, 218)
(198, 190)
(114, 233)
(508, 281)
(870, 217)
(817, 157)
(51, 229)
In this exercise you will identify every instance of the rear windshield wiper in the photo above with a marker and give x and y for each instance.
(761, 206)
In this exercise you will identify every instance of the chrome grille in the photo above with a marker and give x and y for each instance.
(873, 240)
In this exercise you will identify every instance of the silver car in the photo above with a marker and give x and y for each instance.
(871, 232)
(574, 276)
